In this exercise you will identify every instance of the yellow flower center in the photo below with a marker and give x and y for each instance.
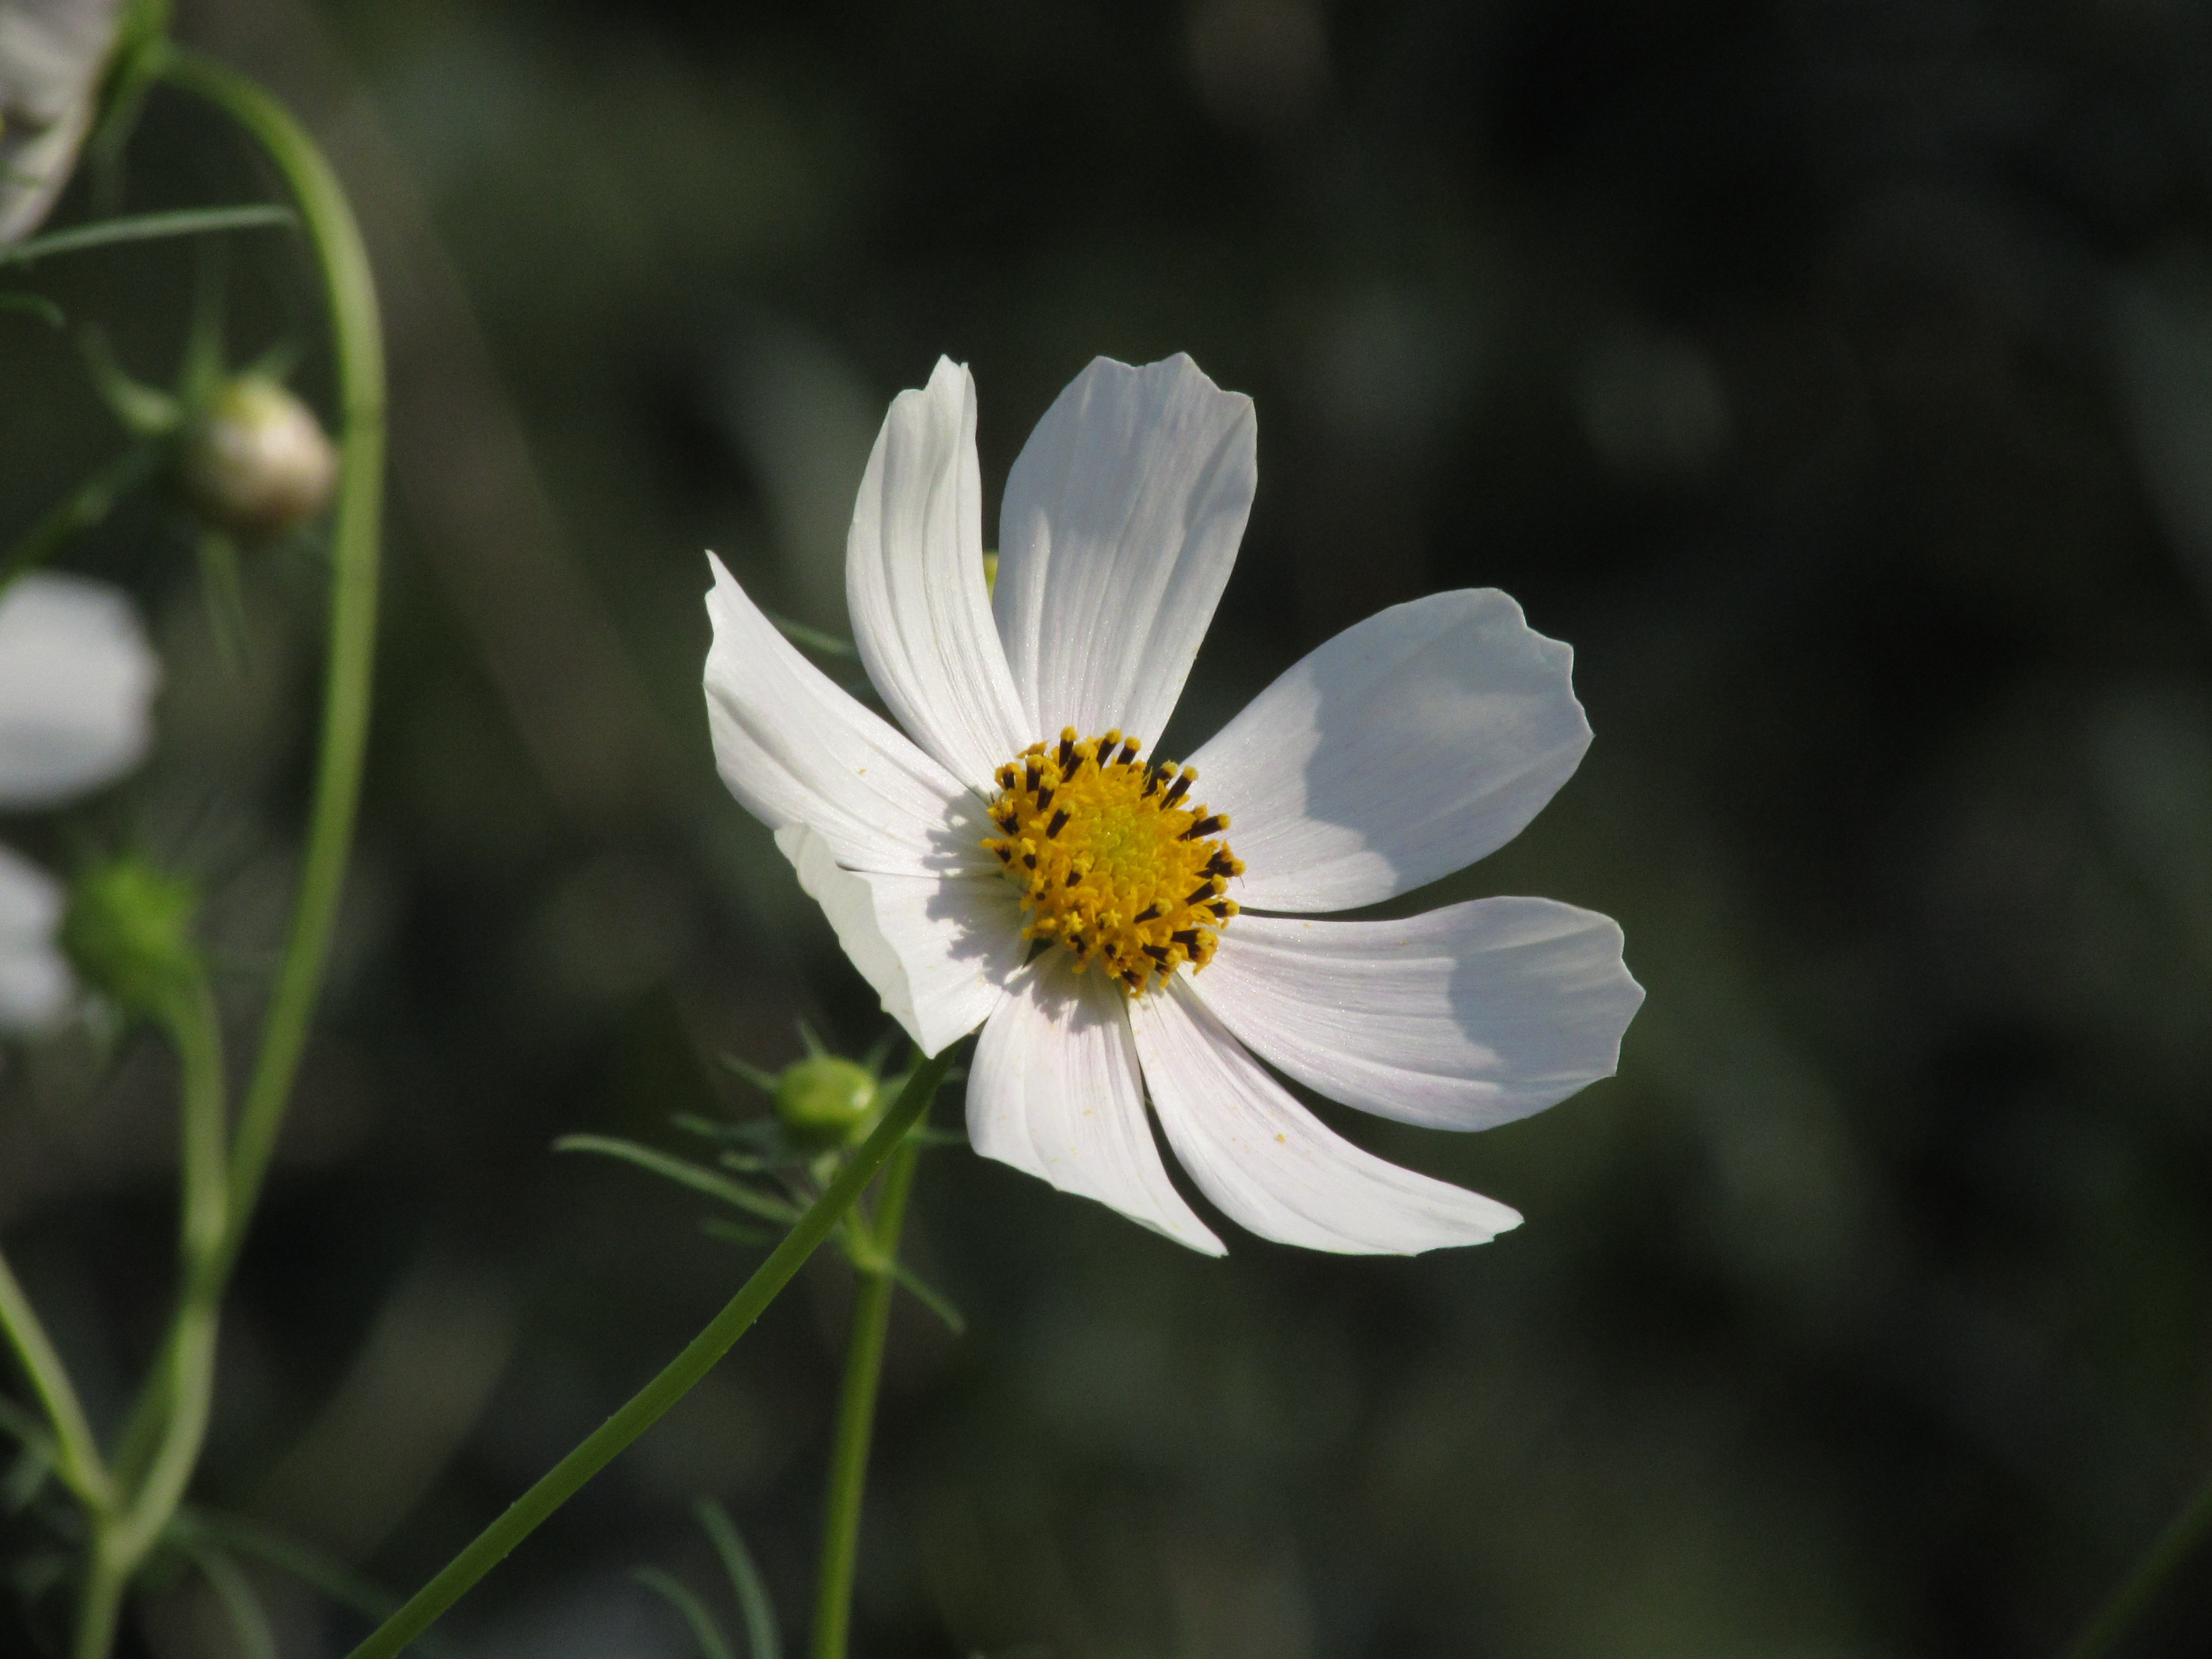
(1113, 861)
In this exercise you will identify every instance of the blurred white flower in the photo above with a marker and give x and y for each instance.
(52, 53)
(76, 679)
(1083, 906)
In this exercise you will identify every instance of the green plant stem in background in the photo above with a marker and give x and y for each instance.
(357, 332)
(2189, 1532)
(646, 1407)
(76, 1454)
(872, 1294)
(123, 1532)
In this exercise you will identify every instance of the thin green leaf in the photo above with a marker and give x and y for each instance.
(91, 502)
(201, 371)
(761, 1638)
(297, 1560)
(256, 1640)
(147, 411)
(814, 1047)
(148, 226)
(696, 1176)
(711, 1641)
(24, 1426)
(812, 638)
(36, 305)
(33, 1467)
(878, 1052)
(224, 594)
(764, 1081)
(935, 1302)
(733, 1232)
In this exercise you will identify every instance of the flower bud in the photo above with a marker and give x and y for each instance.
(827, 1100)
(254, 459)
(129, 932)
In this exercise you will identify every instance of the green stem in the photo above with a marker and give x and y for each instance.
(2182, 1539)
(645, 1408)
(77, 1459)
(856, 1407)
(121, 1538)
(358, 334)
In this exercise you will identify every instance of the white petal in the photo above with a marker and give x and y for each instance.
(77, 678)
(1053, 1091)
(939, 951)
(1271, 1165)
(35, 982)
(1119, 524)
(51, 53)
(1408, 746)
(914, 578)
(1463, 1017)
(795, 749)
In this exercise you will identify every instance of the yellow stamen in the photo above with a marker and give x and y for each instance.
(1113, 860)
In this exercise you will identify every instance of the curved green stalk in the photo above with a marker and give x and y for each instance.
(872, 1294)
(358, 333)
(77, 1459)
(357, 330)
(644, 1408)
(123, 1535)
(2182, 1539)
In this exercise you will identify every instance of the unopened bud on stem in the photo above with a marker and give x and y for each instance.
(129, 932)
(255, 460)
(828, 1101)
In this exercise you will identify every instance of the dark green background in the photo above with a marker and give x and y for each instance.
(1836, 376)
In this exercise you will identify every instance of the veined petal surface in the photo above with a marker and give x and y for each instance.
(1054, 1090)
(1407, 747)
(1462, 1018)
(1270, 1164)
(795, 748)
(914, 579)
(939, 951)
(1119, 528)
(35, 981)
(76, 680)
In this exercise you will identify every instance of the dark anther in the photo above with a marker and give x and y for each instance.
(1157, 954)
(1151, 912)
(1008, 822)
(1074, 875)
(1212, 826)
(1066, 754)
(1222, 865)
(1059, 822)
(1128, 751)
(1180, 787)
(1152, 782)
(1044, 799)
(1034, 776)
(1187, 938)
(1205, 892)
(1029, 860)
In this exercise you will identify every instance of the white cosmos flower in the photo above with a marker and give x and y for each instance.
(52, 53)
(77, 678)
(1411, 745)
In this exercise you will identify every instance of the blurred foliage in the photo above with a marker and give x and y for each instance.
(1836, 375)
